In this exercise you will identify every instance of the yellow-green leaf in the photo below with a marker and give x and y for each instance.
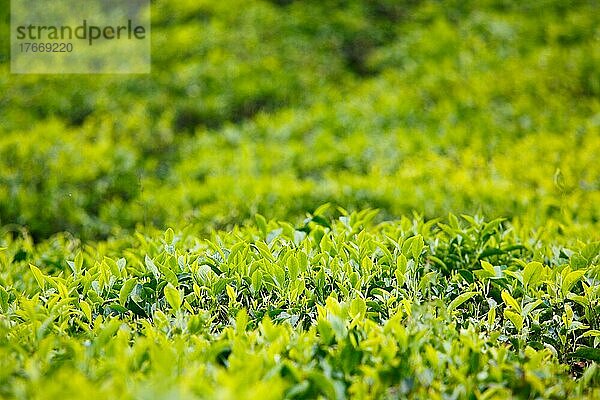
(39, 277)
(459, 300)
(169, 236)
(173, 297)
(87, 310)
(532, 273)
(515, 318)
(358, 308)
(591, 332)
(570, 280)
(510, 301)
(126, 290)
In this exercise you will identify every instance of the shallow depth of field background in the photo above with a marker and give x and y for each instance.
(277, 107)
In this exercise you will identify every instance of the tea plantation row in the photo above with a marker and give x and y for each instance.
(485, 109)
(335, 308)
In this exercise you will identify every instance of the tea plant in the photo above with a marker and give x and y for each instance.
(334, 308)
(486, 112)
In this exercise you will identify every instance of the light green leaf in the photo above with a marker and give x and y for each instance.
(3, 299)
(173, 297)
(570, 280)
(87, 310)
(150, 266)
(113, 267)
(168, 274)
(459, 300)
(126, 290)
(532, 273)
(515, 318)
(358, 308)
(256, 280)
(39, 277)
(417, 246)
(78, 262)
(510, 301)
(169, 236)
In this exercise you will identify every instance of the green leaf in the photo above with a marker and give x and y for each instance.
(489, 268)
(532, 273)
(587, 353)
(231, 293)
(582, 300)
(323, 383)
(322, 209)
(264, 250)
(531, 306)
(261, 223)
(453, 221)
(460, 299)
(466, 274)
(78, 262)
(169, 236)
(150, 266)
(169, 275)
(3, 299)
(121, 263)
(488, 271)
(515, 318)
(107, 332)
(417, 246)
(126, 290)
(241, 321)
(570, 280)
(510, 301)
(87, 310)
(39, 277)
(113, 267)
(62, 290)
(591, 251)
(173, 297)
(256, 280)
(358, 308)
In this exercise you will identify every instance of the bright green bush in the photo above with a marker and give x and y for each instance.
(488, 108)
(333, 309)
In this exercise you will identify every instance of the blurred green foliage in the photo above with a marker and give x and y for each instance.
(488, 107)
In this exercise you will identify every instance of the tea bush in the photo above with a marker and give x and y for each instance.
(483, 113)
(335, 308)
(460, 108)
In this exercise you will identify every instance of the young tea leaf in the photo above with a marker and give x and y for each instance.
(460, 299)
(126, 290)
(173, 297)
(510, 301)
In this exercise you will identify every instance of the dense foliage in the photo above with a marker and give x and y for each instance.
(464, 106)
(338, 308)
(422, 110)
